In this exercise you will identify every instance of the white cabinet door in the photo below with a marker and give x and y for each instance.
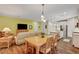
(75, 39)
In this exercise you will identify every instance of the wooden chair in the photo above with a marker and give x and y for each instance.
(54, 43)
(46, 48)
(6, 41)
(30, 49)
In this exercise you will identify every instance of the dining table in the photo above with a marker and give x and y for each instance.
(37, 42)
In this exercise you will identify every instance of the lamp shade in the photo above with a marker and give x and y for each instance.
(6, 30)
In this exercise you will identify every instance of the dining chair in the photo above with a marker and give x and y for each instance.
(30, 49)
(46, 48)
(54, 43)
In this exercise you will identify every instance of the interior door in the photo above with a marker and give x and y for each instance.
(65, 31)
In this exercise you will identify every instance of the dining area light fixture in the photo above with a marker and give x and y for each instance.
(42, 14)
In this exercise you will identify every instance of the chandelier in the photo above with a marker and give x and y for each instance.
(42, 14)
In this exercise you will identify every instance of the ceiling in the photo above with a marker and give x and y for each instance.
(33, 11)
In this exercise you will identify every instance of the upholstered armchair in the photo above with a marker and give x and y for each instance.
(20, 38)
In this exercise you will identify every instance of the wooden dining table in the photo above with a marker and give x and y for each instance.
(36, 42)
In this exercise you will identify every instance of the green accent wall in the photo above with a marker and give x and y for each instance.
(40, 26)
(12, 22)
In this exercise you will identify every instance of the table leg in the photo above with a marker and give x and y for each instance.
(37, 50)
(26, 47)
(8, 44)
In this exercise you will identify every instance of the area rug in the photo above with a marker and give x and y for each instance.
(66, 40)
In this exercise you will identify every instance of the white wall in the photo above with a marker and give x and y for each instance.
(62, 33)
(71, 26)
(71, 23)
(35, 26)
(52, 27)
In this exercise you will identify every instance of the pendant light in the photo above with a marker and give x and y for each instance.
(42, 14)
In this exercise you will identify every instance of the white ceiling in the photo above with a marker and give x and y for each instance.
(33, 11)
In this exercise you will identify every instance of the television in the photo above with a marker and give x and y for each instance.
(22, 26)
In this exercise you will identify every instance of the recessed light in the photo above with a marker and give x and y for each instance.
(64, 13)
(44, 20)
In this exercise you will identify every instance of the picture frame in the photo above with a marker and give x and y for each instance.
(30, 26)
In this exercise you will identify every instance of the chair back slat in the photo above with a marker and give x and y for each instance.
(49, 42)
